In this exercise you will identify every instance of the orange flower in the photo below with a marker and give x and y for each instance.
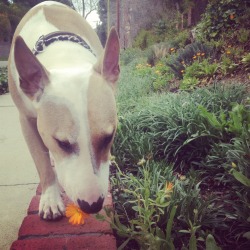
(202, 54)
(194, 57)
(198, 54)
(231, 16)
(182, 71)
(228, 52)
(75, 214)
(169, 187)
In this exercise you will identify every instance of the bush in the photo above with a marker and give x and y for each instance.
(175, 155)
(180, 39)
(130, 54)
(157, 52)
(144, 39)
(185, 57)
(157, 207)
(170, 125)
(223, 16)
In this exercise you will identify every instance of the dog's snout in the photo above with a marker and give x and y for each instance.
(95, 207)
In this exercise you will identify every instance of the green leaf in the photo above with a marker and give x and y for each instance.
(184, 231)
(193, 242)
(100, 217)
(211, 243)
(211, 118)
(240, 177)
(169, 228)
(247, 235)
(122, 246)
(135, 208)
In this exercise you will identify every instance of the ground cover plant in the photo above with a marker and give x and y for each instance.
(180, 176)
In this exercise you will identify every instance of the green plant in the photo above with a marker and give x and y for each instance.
(181, 39)
(227, 65)
(129, 55)
(221, 16)
(243, 35)
(235, 122)
(240, 177)
(157, 52)
(188, 55)
(141, 201)
(246, 62)
(154, 208)
(201, 69)
(144, 39)
(3, 81)
(211, 243)
(188, 83)
(170, 125)
(162, 77)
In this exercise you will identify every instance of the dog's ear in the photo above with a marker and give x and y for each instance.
(108, 64)
(33, 76)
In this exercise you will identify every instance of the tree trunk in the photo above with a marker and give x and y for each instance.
(83, 8)
(189, 22)
(182, 21)
(178, 12)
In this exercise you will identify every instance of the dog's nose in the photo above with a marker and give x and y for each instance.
(95, 207)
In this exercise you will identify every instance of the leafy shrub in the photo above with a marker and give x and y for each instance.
(162, 77)
(129, 55)
(227, 65)
(222, 16)
(144, 39)
(188, 83)
(180, 39)
(201, 69)
(3, 81)
(184, 139)
(153, 202)
(243, 35)
(158, 208)
(171, 125)
(157, 52)
(188, 55)
(246, 61)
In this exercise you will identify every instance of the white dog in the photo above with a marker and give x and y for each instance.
(62, 82)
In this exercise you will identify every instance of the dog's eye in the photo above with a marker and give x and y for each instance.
(107, 139)
(67, 147)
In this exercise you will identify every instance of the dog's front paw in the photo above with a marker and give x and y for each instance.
(51, 206)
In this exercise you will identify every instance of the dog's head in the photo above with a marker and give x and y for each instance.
(76, 118)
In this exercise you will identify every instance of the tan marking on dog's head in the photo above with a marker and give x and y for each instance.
(102, 118)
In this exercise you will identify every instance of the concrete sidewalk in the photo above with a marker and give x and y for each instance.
(18, 176)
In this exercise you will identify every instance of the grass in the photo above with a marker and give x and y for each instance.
(192, 140)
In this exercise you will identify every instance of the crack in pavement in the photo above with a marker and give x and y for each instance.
(19, 184)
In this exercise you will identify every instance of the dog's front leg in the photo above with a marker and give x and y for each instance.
(51, 205)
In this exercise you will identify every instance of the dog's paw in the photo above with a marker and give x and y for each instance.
(51, 206)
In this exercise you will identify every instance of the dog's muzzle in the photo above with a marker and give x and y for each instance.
(95, 207)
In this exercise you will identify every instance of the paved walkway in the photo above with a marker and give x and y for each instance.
(18, 176)
(3, 63)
